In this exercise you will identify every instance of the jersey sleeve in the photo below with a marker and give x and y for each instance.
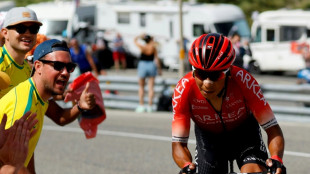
(10, 107)
(2, 66)
(254, 97)
(181, 111)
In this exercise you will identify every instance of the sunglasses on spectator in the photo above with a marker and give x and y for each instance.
(213, 75)
(21, 29)
(59, 66)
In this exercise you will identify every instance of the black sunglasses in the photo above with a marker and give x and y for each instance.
(21, 29)
(213, 76)
(58, 66)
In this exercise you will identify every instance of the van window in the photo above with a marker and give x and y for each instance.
(228, 28)
(142, 19)
(223, 28)
(171, 28)
(242, 28)
(290, 33)
(48, 27)
(123, 18)
(198, 30)
(270, 35)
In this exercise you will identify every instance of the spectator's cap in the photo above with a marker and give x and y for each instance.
(19, 15)
(2, 16)
(47, 47)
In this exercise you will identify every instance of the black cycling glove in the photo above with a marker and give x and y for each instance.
(276, 164)
(187, 170)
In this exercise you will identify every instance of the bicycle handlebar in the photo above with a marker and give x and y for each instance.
(250, 173)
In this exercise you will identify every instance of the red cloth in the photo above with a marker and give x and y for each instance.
(89, 120)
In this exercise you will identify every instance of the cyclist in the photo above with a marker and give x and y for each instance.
(227, 106)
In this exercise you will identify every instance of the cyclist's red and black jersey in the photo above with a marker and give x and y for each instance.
(243, 98)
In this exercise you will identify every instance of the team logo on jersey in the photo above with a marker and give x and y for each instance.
(195, 100)
(196, 107)
(178, 91)
(215, 118)
(251, 84)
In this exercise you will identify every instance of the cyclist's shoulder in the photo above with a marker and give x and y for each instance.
(242, 77)
(186, 81)
(184, 86)
(236, 71)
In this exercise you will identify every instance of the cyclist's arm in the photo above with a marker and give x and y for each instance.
(275, 141)
(180, 135)
(181, 154)
(276, 149)
(261, 109)
(181, 121)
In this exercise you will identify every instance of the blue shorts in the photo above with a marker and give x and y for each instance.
(146, 69)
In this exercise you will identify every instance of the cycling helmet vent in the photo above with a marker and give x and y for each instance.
(211, 52)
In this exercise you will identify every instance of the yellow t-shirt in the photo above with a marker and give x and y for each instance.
(18, 73)
(22, 98)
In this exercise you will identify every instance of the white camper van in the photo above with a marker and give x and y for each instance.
(62, 18)
(161, 20)
(278, 39)
(6, 5)
(55, 17)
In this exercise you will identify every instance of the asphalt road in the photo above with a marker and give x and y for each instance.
(131, 143)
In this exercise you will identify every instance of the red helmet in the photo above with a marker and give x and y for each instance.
(211, 52)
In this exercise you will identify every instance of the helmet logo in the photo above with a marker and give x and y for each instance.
(220, 55)
(197, 51)
(229, 54)
(209, 47)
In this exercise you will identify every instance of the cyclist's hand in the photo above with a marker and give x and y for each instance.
(275, 167)
(189, 169)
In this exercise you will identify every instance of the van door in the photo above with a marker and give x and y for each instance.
(272, 52)
(287, 58)
(265, 42)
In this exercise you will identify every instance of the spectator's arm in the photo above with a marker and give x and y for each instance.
(136, 40)
(92, 63)
(157, 61)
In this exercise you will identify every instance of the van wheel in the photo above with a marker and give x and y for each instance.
(254, 68)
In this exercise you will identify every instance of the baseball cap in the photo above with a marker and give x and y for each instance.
(49, 46)
(2, 16)
(18, 15)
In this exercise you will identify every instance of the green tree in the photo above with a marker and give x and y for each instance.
(20, 3)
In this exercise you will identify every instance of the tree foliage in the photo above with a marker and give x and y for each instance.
(21, 3)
